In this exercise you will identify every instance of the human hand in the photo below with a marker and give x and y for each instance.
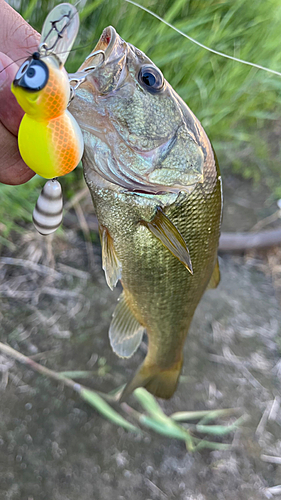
(18, 40)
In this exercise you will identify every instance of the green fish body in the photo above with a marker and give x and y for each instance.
(156, 188)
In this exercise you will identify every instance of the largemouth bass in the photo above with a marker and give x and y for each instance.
(156, 188)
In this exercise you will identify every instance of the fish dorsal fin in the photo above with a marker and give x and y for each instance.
(170, 237)
(215, 278)
(125, 332)
(110, 263)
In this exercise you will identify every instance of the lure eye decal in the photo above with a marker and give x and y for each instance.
(36, 75)
(32, 76)
(151, 78)
(23, 68)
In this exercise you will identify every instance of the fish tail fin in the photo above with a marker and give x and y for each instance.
(161, 383)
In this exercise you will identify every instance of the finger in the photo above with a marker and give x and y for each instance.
(10, 111)
(13, 170)
(17, 38)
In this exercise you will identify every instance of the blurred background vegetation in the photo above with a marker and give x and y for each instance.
(238, 106)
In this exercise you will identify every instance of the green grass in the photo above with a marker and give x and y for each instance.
(239, 106)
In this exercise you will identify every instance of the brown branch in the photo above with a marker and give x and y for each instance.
(239, 242)
(9, 351)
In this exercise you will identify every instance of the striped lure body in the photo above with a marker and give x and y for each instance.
(47, 214)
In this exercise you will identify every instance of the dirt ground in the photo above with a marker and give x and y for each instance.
(55, 447)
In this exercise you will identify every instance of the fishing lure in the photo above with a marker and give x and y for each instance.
(50, 140)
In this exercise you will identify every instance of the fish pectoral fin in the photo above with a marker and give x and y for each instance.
(170, 237)
(110, 263)
(125, 332)
(215, 278)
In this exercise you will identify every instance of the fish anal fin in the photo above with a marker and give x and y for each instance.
(170, 237)
(215, 278)
(110, 263)
(161, 383)
(125, 332)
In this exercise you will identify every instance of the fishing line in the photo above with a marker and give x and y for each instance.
(13, 62)
(201, 44)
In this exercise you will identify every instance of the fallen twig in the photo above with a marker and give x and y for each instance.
(56, 292)
(262, 423)
(239, 242)
(28, 264)
(72, 270)
(274, 490)
(274, 411)
(229, 358)
(271, 459)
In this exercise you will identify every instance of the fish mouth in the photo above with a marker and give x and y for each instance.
(105, 66)
(104, 47)
(106, 41)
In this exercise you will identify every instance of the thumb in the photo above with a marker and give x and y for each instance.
(13, 170)
(10, 111)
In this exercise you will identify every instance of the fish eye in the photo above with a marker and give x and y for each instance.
(151, 78)
(36, 76)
